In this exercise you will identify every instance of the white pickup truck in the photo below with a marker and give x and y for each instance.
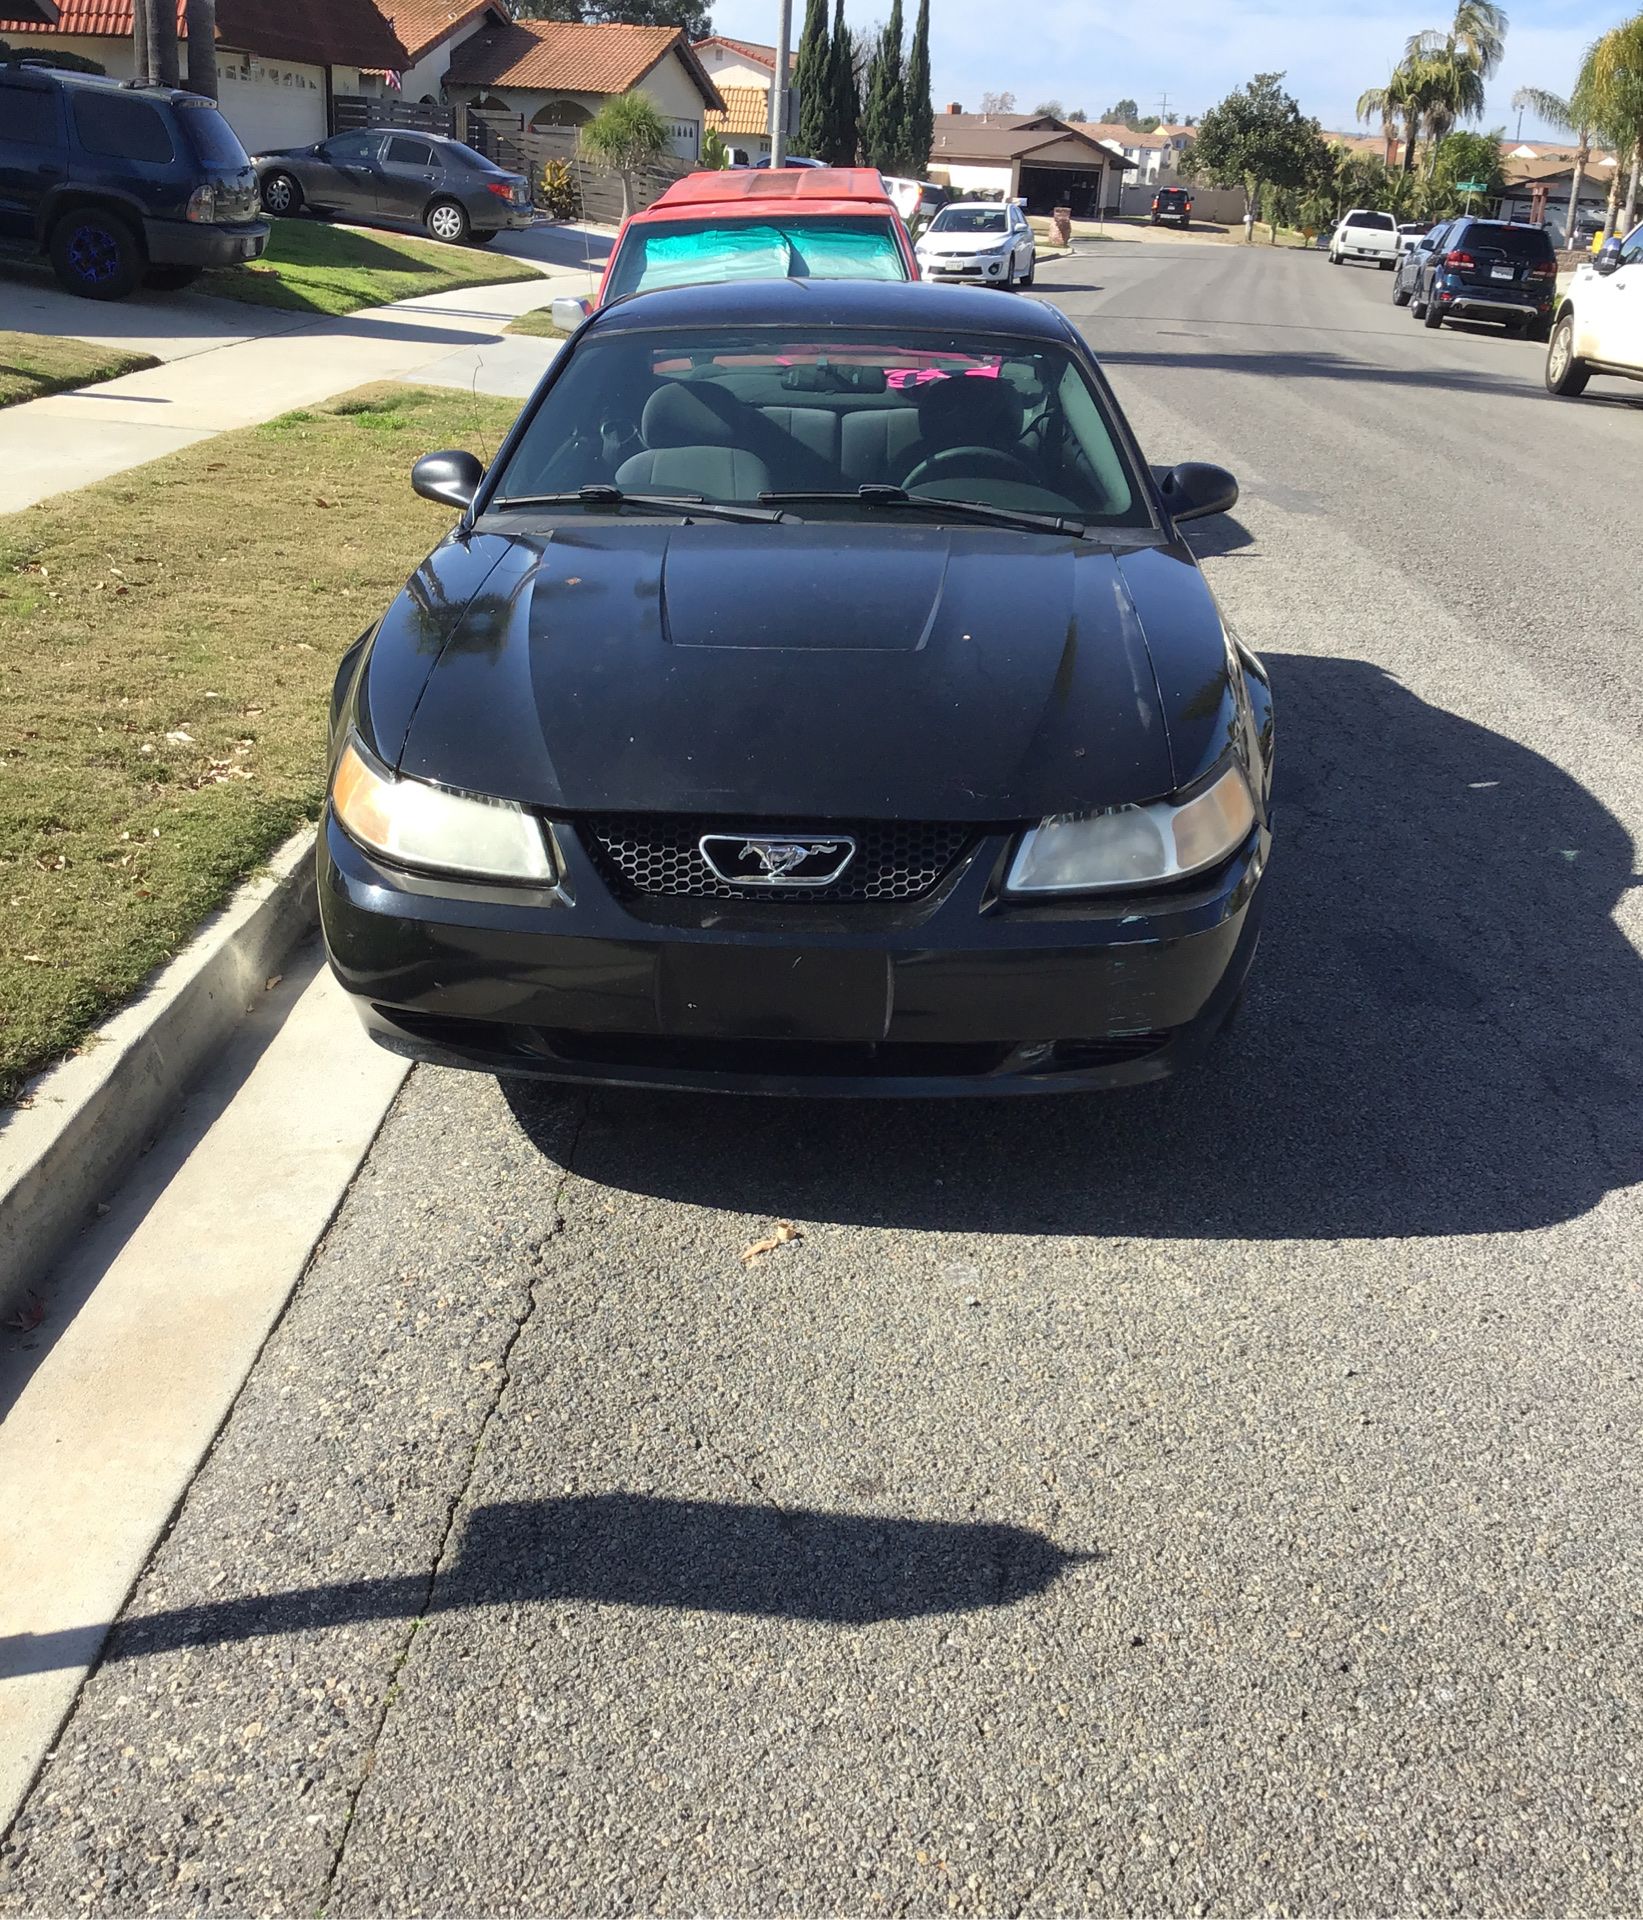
(1598, 324)
(1365, 235)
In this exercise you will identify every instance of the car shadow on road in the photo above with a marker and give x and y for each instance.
(627, 1549)
(1443, 1035)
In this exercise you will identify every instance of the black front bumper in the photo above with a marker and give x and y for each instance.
(958, 993)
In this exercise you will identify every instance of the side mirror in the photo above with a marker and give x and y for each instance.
(450, 479)
(1195, 489)
(568, 313)
(1608, 255)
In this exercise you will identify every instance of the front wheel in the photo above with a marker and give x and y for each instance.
(1566, 372)
(1400, 294)
(281, 195)
(95, 254)
(447, 220)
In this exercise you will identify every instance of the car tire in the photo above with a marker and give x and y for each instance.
(95, 254)
(171, 279)
(1432, 314)
(1032, 269)
(1400, 294)
(1186, 226)
(1539, 331)
(447, 220)
(1334, 259)
(1153, 221)
(1566, 372)
(281, 195)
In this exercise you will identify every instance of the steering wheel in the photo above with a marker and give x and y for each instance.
(981, 463)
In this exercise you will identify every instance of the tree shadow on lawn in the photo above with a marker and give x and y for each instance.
(1443, 1035)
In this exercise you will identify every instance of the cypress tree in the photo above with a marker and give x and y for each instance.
(813, 77)
(882, 128)
(918, 113)
(843, 103)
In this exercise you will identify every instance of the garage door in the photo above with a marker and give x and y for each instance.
(275, 106)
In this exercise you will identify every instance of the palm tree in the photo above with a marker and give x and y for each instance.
(1476, 35)
(625, 136)
(1398, 106)
(1568, 116)
(1611, 79)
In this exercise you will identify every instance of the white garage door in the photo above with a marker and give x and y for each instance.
(272, 105)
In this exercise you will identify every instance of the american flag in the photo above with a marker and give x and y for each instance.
(394, 80)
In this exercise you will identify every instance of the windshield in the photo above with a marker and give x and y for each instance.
(730, 415)
(969, 220)
(214, 141)
(679, 253)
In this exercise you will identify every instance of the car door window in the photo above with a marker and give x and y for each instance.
(409, 153)
(123, 128)
(29, 116)
(351, 149)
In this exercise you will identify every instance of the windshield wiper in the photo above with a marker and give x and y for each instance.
(607, 496)
(875, 494)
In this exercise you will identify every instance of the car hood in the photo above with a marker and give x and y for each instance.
(822, 670)
(933, 242)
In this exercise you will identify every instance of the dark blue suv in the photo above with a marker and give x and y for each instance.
(121, 185)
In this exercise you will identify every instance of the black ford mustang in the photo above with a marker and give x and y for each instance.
(815, 695)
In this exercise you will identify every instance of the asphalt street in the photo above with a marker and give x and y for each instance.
(1222, 1497)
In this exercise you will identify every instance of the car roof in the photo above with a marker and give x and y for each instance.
(749, 190)
(40, 66)
(834, 303)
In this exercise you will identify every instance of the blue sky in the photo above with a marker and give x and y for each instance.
(1091, 55)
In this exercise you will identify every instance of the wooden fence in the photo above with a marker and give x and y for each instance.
(353, 110)
(506, 139)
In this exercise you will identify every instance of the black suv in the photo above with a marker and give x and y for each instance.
(122, 185)
(1172, 203)
(1482, 270)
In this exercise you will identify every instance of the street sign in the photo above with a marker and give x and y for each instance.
(1470, 186)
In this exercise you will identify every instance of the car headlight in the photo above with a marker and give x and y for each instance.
(417, 824)
(1135, 846)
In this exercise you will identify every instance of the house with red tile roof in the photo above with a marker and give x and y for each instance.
(558, 73)
(430, 31)
(279, 62)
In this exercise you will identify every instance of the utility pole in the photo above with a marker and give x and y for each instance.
(1163, 109)
(780, 86)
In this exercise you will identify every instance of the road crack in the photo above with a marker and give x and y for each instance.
(458, 1500)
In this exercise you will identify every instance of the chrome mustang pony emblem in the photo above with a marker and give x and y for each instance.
(761, 860)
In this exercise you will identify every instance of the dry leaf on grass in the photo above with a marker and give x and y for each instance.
(785, 1231)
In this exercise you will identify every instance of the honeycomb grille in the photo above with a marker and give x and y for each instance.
(657, 854)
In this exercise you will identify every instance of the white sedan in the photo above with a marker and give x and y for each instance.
(978, 241)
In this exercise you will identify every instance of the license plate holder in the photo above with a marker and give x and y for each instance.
(774, 993)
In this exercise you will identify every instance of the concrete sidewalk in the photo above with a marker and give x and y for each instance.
(68, 440)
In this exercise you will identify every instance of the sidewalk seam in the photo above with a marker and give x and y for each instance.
(390, 1690)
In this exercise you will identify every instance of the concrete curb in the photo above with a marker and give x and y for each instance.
(91, 1117)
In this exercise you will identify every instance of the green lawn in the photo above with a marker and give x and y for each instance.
(168, 640)
(33, 363)
(538, 321)
(316, 268)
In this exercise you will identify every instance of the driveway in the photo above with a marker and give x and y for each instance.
(1215, 1498)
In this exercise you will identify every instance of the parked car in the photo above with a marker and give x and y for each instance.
(394, 176)
(1599, 323)
(1412, 260)
(1409, 231)
(1364, 234)
(810, 223)
(1487, 270)
(735, 740)
(1173, 204)
(121, 186)
(981, 241)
